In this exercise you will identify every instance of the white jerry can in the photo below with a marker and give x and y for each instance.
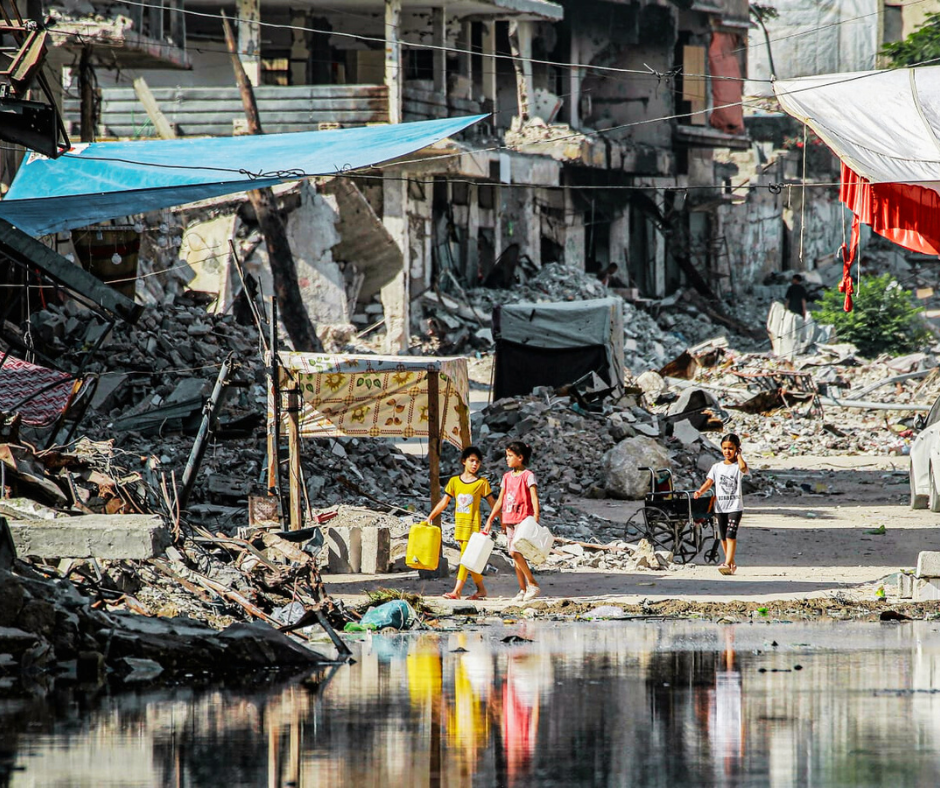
(477, 552)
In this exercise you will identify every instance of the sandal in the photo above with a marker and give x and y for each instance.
(725, 569)
(477, 595)
(451, 595)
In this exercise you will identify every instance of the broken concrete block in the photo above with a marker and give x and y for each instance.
(926, 590)
(7, 548)
(376, 550)
(106, 394)
(928, 563)
(651, 382)
(110, 536)
(190, 389)
(344, 550)
(905, 586)
(650, 430)
(621, 466)
(685, 432)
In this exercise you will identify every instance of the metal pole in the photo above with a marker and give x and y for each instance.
(208, 422)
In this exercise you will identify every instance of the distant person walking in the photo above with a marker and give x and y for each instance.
(796, 297)
(726, 477)
(518, 499)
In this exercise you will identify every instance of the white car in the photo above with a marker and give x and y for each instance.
(925, 463)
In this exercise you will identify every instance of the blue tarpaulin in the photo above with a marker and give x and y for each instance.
(105, 180)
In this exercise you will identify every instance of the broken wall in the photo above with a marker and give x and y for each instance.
(311, 230)
(633, 36)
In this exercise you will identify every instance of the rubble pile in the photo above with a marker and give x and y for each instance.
(153, 379)
(794, 427)
(571, 448)
(654, 332)
(49, 626)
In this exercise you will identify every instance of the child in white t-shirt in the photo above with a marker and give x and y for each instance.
(726, 476)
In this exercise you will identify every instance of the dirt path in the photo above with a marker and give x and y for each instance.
(794, 546)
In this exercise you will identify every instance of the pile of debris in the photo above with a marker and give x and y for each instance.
(655, 331)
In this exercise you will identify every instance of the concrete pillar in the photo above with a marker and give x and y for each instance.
(393, 65)
(489, 64)
(249, 38)
(299, 48)
(520, 39)
(620, 240)
(659, 241)
(439, 40)
(574, 84)
(464, 59)
(396, 296)
(473, 233)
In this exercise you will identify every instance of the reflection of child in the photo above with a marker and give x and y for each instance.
(726, 723)
(518, 499)
(467, 490)
(729, 502)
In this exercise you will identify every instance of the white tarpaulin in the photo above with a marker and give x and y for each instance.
(885, 125)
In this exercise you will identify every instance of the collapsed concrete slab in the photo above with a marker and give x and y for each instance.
(103, 536)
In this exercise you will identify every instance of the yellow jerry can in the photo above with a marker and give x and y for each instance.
(424, 546)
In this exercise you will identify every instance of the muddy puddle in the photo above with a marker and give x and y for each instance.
(630, 703)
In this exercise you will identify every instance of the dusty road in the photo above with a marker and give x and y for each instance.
(791, 547)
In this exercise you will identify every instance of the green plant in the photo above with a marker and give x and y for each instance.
(885, 318)
(921, 46)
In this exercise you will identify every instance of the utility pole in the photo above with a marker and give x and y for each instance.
(286, 287)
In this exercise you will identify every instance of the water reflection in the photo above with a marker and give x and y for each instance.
(632, 704)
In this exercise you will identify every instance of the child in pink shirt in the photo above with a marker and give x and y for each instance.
(518, 499)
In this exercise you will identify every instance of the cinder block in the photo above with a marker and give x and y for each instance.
(905, 586)
(344, 550)
(926, 590)
(113, 536)
(928, 563)
(376, 550)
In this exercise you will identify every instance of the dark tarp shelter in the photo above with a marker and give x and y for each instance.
(555, 344)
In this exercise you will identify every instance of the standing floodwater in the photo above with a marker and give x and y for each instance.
(640, 703)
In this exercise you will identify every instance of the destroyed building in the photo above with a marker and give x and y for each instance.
(616, 136)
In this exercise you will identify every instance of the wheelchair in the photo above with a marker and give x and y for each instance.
(675, 521)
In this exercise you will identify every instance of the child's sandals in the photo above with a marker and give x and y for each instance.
(452, 595)
(476, 596)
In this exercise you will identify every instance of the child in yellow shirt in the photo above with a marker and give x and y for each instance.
(467, 490)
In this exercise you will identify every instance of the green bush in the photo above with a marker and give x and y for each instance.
(885, 318)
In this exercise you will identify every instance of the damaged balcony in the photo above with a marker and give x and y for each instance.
(128, 36)
(314, 67)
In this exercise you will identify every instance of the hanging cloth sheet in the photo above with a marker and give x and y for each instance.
(38, 394)
(375, 396)
(723, 62)
(885, 127)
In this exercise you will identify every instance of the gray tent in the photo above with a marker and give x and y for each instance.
(557, 343)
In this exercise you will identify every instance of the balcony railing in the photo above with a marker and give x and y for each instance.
(217, 112)
(212, 111)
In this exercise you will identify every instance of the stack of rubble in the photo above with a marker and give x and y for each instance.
(653, 334)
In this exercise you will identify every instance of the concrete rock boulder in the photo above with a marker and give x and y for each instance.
(622, 477)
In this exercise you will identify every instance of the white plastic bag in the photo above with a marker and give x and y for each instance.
(532, 541)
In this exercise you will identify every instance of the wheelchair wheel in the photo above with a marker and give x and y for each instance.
(710, 538)
(688, 543)
(660, 530)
